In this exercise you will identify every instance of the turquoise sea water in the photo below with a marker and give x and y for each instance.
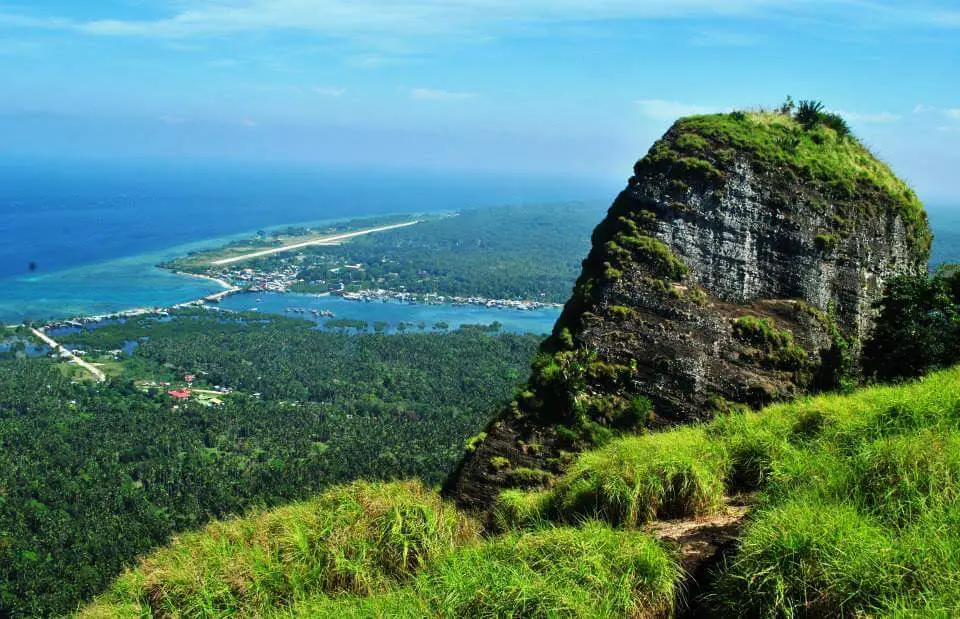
(84, 238)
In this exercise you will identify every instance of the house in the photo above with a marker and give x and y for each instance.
(189, 378)
(179, 394)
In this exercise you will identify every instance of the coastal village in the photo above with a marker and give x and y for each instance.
(258, 276)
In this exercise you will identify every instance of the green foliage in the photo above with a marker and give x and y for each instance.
(526, 478)
(903, 477)
(808, 558)
(777, 345)
(358, 539)
(474, 441)
(918, 327)
(809, 113)
(655, 255)
(93, 476)
(517, 509)
(826, 242)
(856, 515)
(837, 123)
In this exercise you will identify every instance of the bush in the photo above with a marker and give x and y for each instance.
(918, 327)
(809, 113)
(837, 123)
(587, 572)
(752, 445)
(516, 509)
(776, 344)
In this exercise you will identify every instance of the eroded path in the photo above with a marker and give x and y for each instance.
(702, 544)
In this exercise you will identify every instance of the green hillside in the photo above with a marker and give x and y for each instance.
(854, 511)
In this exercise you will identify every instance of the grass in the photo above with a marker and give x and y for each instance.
(808, 557)
(591, 571)
(634, 480)
(359, 539)
(856, 499)
(856, 514)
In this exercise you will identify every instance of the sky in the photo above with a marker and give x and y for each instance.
(577, 88)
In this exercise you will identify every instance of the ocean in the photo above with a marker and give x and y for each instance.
(84, 238)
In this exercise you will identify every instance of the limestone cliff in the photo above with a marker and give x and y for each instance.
(738, 267)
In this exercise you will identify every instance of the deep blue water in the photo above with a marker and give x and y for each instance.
(82, 238)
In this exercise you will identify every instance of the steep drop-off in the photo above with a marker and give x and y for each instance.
(738, 268)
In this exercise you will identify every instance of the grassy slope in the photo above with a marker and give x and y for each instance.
(856, 511)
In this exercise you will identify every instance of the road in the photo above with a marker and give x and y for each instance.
(321, 241)
(46, 339)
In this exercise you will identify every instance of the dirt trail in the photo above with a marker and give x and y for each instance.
(702, 544)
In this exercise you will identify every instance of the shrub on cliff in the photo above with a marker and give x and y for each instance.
(918, 327)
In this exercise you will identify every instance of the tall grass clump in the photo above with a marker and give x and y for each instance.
(591, 571)
(752, 442)
(633, 480)
(904, 477)
(516, 509)
(359, 538)
(808, 558)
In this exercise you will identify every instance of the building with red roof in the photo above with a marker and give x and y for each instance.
(180, 394)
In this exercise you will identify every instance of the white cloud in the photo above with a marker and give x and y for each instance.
(330, 91)
(881, 117)
(671, 110)
(953, 113)
(430, 94)
(397, 18)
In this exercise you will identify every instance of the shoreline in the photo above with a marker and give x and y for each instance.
(228, 289)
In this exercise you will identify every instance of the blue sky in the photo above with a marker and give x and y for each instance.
(566, 87)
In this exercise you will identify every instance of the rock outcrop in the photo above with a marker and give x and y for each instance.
(739, 267)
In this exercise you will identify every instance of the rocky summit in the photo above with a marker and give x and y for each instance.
(739, 267)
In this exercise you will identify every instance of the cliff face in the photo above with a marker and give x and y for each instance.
(738, 267)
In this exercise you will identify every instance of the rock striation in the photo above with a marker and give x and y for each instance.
(739, 267)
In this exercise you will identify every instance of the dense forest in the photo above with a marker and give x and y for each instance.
(91, 476)
(502, 253)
